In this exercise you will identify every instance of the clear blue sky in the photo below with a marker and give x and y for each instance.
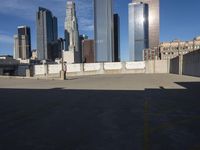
(179, 19)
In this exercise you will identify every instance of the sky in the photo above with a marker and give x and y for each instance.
(179, 19)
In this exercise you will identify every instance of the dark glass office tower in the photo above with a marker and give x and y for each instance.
(47, 33)
(116, 38)
(22, 47)
(103, 30)
(138, 30)
(154, 21)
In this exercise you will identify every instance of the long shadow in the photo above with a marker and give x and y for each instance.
(59, 119)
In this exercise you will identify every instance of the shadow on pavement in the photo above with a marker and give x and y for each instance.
(58, 119)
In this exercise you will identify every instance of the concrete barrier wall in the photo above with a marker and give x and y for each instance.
(71, 68)
(92, 67)
(135, 65)
(150, 67)
(112, 66)
(1, 71)
(188, 64)
(54, 69)
(157, 66)
(22, 69)
(103, 68)
(174, 65)
(162, 66)
(191, 64)
(39, 70)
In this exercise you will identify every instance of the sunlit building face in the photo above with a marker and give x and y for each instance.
(154, 21)
(103, 30)
(138, 30)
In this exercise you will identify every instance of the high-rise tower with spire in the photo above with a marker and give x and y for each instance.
(72, 51)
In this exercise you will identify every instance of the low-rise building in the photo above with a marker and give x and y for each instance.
(169, 50)
(6, 57)
(151, 54)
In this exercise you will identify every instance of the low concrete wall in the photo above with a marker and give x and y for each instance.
(92, 67)
(162, 66)
(188, 64)
(191, 64)
(39, 70)
(112, 66)
(174, 65)
(157, 66)
(22, 70)
(150, 67)
(135, 65)
(1, 71)
(54, 70)
(71, 68)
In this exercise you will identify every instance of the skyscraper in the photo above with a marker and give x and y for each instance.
(22, 43)
(138, 30)
(81, 39)
(116, 38)
(88, 51)
(72, 34)
(154, 21)
(47, 32)
(56, 47)
(103, 30)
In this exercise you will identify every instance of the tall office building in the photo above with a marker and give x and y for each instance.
(81, 39)
(116, 38)
(22, 43)
(103, 30)
(56, 47)
(88, 51)
(154, 21)
(138, 30)
(71, 34)
(47, 32)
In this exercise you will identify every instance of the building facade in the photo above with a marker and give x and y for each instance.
(151, 53)
(88, 51)
(72, 34)
(103, 30)
(116, 38)
(56, 48)
(47, 32)
(138, 30)
(154, 21)
(170, 50)
(81, 39)
(34, 54)
(22, 43)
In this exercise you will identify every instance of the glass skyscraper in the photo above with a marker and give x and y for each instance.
(22, 43)
(47, 32)
(116, 38)
(138, 30)
(154, 21)
(103, 30)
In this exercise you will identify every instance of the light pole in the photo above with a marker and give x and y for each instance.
(62, 73)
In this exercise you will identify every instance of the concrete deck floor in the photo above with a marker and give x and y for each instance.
(109, 112)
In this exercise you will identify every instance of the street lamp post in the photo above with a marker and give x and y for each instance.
(62, 73)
